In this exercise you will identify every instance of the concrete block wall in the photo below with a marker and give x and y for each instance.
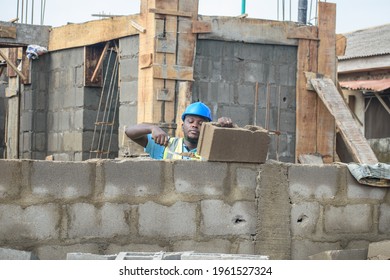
(331, 211)
(58, 112)
(128, 83)
(108, 206)
(104, 207)
(226, 74)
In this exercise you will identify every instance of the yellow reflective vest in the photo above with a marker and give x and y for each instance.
(174, 150)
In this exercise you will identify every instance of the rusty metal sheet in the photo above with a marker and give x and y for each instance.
(373, 85)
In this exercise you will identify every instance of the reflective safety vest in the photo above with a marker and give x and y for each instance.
(175, 148)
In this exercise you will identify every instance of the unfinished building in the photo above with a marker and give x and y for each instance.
(73, 103)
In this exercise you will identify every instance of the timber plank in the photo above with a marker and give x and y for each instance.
(201, 27)
(356, 143)
(7, 31)
(92, 32)
(326, 130)
(173, 72)
(306, 112)
(170, 12)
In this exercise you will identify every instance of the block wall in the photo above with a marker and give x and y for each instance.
(252, 84)
(107, 206)
(128, 99)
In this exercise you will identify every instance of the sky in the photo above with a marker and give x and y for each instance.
(351, 15)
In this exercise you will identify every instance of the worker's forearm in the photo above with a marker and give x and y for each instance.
(139, 130)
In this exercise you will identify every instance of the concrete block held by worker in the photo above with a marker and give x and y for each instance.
(159, 145)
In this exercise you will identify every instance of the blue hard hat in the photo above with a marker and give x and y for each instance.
(197, 109)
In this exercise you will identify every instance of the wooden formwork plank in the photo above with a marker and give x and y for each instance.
(93, 32)
(326, 129)
(7, 31)
(184, 99)
(306, 114)
(173, 72)
(356, 143)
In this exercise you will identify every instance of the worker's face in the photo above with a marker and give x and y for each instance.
(191, 127)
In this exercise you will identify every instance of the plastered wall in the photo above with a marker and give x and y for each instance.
(284, 211)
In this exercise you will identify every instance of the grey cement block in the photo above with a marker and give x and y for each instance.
(303, 249)
(240, 115)
(253, 72)
(352, 218)
(39, 142)
(62, 156)
(127, 178)
(215, 256)
(11, 179)
(26, 121)
(210, 182)
(129, 46)
(38, 222)
(89, 221)
(141, 247)
(127, 115)
(129, 69)
(246, 94)
(246, 179)
(350, 254)
(59, 252)
(245, 247)
(213, 246)
(129, 92)
(384, 218)
(249, 145)
(225, 92)
(61, 179)
(73, 141)
(12, 254)
(273, 236)
(359, 191)
(158, 221)
(319, 182)
(88, 256)
(304, 219)
(220, 218)
(379, 250)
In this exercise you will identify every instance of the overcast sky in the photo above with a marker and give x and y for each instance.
(351, 14)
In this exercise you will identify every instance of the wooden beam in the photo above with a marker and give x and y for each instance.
(356, 143)
(92, 32)
(302, 32)
(173, 72)
(326, 129)
(170, 12)
(201, 27)
(184, 99)
(306, 112)
(382, 102)
(145, 60)
(7, 31)
(341, 44)
(138, 26)
(99, 64)
(13, 66)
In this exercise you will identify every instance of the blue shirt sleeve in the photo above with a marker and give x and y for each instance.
(154, 150)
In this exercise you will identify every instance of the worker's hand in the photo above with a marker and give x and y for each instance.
(159, 136)
(225, 122)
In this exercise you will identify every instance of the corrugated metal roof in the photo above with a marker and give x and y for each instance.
(372, 85)
(367, 42)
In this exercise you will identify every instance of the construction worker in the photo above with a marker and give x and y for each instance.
(159, 145)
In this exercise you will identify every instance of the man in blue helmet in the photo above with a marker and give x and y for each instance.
(159, 145)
